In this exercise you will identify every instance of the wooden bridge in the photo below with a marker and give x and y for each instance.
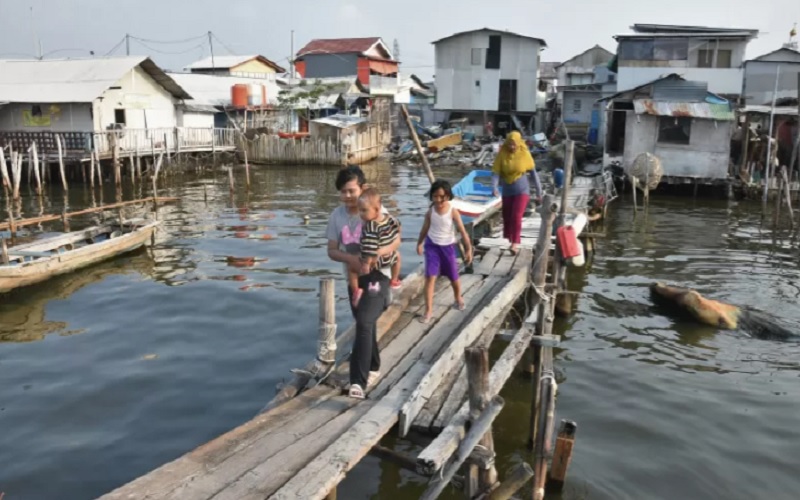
(436, 381)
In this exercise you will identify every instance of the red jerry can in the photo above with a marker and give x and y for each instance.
(568, 242)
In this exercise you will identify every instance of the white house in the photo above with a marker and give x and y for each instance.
(697, 53)
(580, 69)
(490, 73)
(86, 95)
(760, 74)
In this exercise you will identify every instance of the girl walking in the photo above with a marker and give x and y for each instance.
(437, 241)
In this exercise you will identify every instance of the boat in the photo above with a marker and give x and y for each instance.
(31, 263)
(473, 195)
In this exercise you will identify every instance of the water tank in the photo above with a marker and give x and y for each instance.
(239, 94)
(256, 95)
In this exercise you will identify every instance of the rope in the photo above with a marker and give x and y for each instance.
(326, 350)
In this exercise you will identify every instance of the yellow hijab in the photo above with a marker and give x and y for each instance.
(511, 166)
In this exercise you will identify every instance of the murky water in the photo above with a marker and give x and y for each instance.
(111, 372)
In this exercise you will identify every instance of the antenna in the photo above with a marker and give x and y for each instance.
(37, 44)
(211, 46)
(396, 50)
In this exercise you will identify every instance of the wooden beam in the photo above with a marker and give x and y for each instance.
(452, 357)
(477, 360)
(562, 456)
(516, 479)
(472, 438)
(433, 458)
(417, 144)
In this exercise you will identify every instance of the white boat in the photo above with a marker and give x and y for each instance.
(473, 197)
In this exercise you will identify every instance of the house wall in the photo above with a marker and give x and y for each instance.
(146, 103)
(191, 119)
(720, 80)
(330, 65)
(588, 102)
(60, 117)
(706, 156)
(759, 80)
(463, 86)
(582, 64)
(253, 67)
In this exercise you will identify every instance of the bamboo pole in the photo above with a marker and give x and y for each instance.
(166, 147)
(60, 145)
(34, 153)
(53, 217)
(4, 172)
(5, 251)
(16, 171)
(132, 168)
(115, 160)
(768, 166)
(91, 171)
(417, 144)
(544, 435)
(230, 179)
(246, 169)
(326, 347)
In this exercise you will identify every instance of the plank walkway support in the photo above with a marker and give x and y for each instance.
(34, 162)
(518, 477)
(562, 456)
(480, 477)
(4, 172)
(60, 144)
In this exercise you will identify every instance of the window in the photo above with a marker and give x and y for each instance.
(724, 58)
(507, 100)
(119, 116)
(576, 106)
(612, 78)
(670, 50)
(674, 130)
(636, 50)
(705, 58)
(36, 110)
(493, 53)
(477, 57)
(579, 79)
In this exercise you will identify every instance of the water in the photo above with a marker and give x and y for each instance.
(113, 371)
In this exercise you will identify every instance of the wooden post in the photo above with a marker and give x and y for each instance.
(745, 148)
(417, 144)
(91, 171)
(166, 147)
(5, 251)
(16, 170)
(34, 152)
(115, 160)
(132, 167)
(326, 349)
(213, 146)
(634, 182)
(479, 479)
(153, 148)
(4, 172)
(230, 179)
(246, 169)
(787, 191)
(518, 477)
(59, 142)
(65, 221)
(177, 134)
(562, 456)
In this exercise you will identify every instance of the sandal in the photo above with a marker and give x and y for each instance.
(460, 305)
(425, 319)
(373, 378)
(356, 392)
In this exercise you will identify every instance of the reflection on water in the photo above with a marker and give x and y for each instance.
(666, 408)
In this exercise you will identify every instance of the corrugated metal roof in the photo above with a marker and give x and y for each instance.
(73, 80)
(705, 110)
(341, 121)
(680, 90)
(227, 62)
(214, 90)
(779, 110)
(732, 34)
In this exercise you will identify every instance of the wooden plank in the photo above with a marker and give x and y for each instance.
(326, 470)
(487, 263)
(415, 357)
(433, 458)
(505, 296)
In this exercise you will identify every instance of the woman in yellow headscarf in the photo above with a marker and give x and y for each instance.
(514, 169)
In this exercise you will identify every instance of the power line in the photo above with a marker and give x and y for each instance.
(167, 42)
(165, 52)
(117, 46)
(232, 52)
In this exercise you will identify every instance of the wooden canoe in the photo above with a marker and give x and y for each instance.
(40, 260)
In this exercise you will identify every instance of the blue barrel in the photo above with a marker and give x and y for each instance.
(558, 177)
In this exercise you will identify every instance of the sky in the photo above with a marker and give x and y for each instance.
(73, 28)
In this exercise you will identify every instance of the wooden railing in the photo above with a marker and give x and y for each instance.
(143, 141)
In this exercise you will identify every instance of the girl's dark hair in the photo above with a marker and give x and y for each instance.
(350, 173)
(444, 186)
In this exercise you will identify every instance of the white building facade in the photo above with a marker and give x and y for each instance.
(487, 70)
(696, 53)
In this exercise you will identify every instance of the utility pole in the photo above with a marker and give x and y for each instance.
(211, 46)
(127, 44)
(291, 56)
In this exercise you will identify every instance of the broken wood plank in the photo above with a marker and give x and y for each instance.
(433, 458)
(488, 262)
(453, 355)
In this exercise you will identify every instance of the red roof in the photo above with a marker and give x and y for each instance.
(338, 46)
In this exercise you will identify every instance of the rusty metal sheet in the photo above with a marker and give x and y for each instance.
(705, 110)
